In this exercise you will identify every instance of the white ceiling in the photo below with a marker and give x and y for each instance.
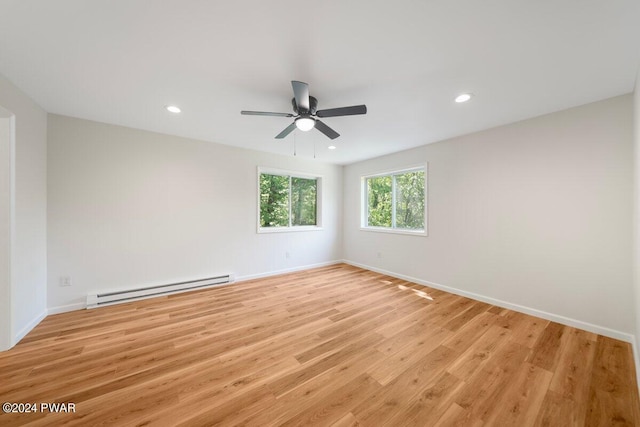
(121, 61)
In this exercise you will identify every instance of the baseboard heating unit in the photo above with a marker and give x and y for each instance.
(118, 297)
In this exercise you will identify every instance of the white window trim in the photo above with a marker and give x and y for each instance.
(364, 203)
(292, 174)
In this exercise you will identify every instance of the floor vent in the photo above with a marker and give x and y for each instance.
(118, 297)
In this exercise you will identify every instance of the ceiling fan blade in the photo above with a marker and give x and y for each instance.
(343, 111)
(265, 113)
(301, 93)
(326, 130)
(287, 131)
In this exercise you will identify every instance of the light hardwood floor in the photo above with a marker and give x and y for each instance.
(334, 346)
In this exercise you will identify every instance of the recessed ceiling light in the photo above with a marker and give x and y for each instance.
(464, 97)
(332, 147)
(173, 109)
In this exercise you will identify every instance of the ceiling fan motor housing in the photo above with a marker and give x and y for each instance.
(313, 106)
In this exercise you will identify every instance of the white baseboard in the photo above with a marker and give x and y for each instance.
(636, 358)
(65, 308)
(32, 324)
(601, 330)
(286, 270)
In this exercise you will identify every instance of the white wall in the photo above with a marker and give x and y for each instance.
(536, 213)
(131, 208)
(7, 203)
(29, 263)
(636, 221)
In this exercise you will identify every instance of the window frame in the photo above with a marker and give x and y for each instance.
(364, 201)
(291, 174)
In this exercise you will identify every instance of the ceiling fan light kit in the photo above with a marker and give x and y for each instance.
(306, 113)
(305, 123)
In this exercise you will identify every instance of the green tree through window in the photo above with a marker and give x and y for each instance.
(274, 201)
(396, 200)
(410, 200)
(379, 192)
(303, 201)
(288, 201)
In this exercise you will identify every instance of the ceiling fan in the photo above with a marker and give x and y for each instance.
(306, 112)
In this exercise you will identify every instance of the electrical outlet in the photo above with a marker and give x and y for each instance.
(379, 254)
(65, 281)
(287, 255)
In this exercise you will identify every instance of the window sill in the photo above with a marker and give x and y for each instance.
(421, 233)
(268, 230)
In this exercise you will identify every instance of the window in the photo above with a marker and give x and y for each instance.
(395, 201)
(288, 201)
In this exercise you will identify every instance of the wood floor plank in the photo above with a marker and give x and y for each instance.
(529, 331)
(430, 404)
(400, 359)
(320, 387)
(336, 345)
(453, 417)
(557, 409)
(335, 406)
(487, 386)
(546, 349)
(571, 378)
(479, 352)
(349, 420)
(396, 396)
(521, 403)
(462, 319)
(611, 391)
(308, 372)
(470, 332)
